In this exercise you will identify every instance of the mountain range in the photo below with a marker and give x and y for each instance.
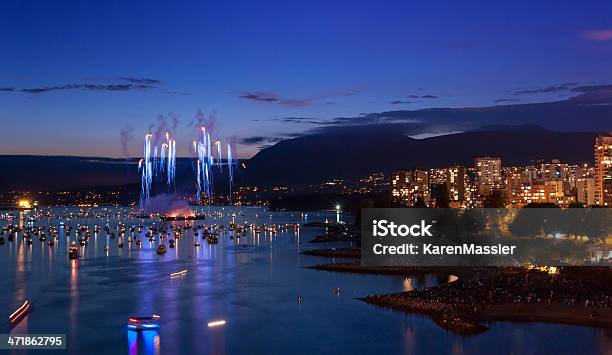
(349, 153)
(357, 152)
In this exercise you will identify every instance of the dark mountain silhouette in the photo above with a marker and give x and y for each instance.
(526, 127)
(30, 172)
(355, 153)
(56, 173)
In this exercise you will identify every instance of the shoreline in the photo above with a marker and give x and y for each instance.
(349, 253)
(355, 267)
(467, 320)
(494, 294)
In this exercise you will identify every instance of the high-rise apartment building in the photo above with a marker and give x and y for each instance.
(457, 184)
(555, 170)
(488, 174)
(603, 169)
(407, 186)
(585, 191)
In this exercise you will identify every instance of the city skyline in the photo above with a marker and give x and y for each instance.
(77, 77)
(486, 183)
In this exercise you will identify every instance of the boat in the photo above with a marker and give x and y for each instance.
(171, 243)
(51, 242)
(143, 323)
(178, 273)
(161, 250)
(20, 313)
(73, 252)
(216, 323)
(196, 217)
(1, 240)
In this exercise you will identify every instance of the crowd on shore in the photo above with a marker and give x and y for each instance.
(524, 287)
(458, 306)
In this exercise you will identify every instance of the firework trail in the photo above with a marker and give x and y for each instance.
(198, 181)
(230, 170)
(142, 181)
(170, 160)
(202, 165)
(210, 156)
(220, 159)
(209, 165)
(207, 180)
(162, 157)
(146, 167)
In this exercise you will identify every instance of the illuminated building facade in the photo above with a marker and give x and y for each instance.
(603, 169)
(546, 192)
(515, 180)
(488, 174)
(585, 191)
(437, 176)
(538, 193)
(407, 186)
(555, 170)
(457, 185)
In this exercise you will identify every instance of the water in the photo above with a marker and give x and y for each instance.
(254, 289)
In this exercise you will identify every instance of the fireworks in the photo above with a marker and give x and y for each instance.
(145, 166)
(230, 169)
(198, 180)
(159, 164)
(171, 162)
(202, 162)
(162, 165)
(218, 144)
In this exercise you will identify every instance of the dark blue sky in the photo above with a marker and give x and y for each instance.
(72, 73)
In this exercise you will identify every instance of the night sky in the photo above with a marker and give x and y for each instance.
(74, 75)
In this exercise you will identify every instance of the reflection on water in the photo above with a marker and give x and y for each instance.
(74, 289)
(146, 342)
(21, 327)
(408, 284)
(252, 283)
